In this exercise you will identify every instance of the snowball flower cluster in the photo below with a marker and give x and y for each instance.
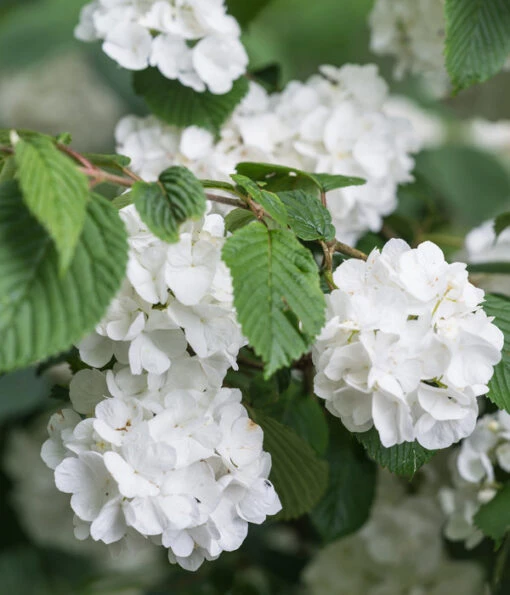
(482, 246)
(193, 41)
(176, 298)
(334, 123)
(407, 347)
(474, 477)
(186, 469)
(413, 32)
(398, 552)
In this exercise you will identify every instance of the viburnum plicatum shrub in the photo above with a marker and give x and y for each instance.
(233, 355)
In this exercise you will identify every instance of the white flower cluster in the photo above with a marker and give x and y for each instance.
(334, 123)
(154, 448)
(406, 347)
(193, 41)
(413, 32)
(176, 297)
(482, 246)
(398, 552)
(474, 476)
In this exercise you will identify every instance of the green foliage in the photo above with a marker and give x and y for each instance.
(277, 293)
(278, 178)
(352, 477)
(299, 477)
(493, 518)
(43, 312)
(328, 182)
(304, 415)
(115, 162)
(499, 385)
(502, 268)
(55, 192)
(309, 219)
(245, 11)
(402, 459)
(457, 177)
(501, 223)
(238, 218)
(477, 40)
(182, 106)
(166, 205)
(269, 201)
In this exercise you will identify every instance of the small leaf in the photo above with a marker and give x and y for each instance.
(55, 192)
(270, 202)
(238, 218)
(166, 205)
(299, 477)
(348, 499)
(124, 200)
(501, 223)
(111, 162)
(181, 106)
(402, 459)
(330, 182)
(477, 40)
(307, 216)
(277, 293)
(278, 178)
(43, 313)
(493, 518)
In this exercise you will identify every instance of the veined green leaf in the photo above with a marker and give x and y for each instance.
(309, 219)
(42, 312)
(277, 293)
(270, 202)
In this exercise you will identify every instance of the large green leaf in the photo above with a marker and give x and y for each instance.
(304, 414)
(493, 518)
(299, 477)
(55, 192)
(309, 219)
(402, 459)
(41, 311)
(477, 39)
(182, 106)
(166, 205)
(352, 477)
(277, 293)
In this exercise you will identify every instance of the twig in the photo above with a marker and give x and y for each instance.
(224, 200)
(99, 176)
(76, 156)
(348, 251)
(328, 250)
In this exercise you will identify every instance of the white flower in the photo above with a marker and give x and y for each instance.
(407, 347)
(193, 41)
(191, 473)
(398, 552)
(474, 476)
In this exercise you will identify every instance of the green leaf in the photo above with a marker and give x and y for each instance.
(277, 293)
(493, 518)
(403, 459)
(477, 40)
(238, 218)
(245, 11)
(181, 106)
(348, 499)
(166, 205)
(42, 313)
(124, 200)
(328, 182)
(501, 223)
(307, 216)
(269, 77)
(270, 202)
(55, 192)
(499, 386)
(8, 170)
(278, 178)
(299, 477)
(304, 414)
(502, 268)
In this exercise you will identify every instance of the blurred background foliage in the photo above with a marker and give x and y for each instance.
(51, 82)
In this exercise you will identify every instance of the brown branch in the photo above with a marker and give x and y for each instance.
(348, 251)
(76, 156)
(224, 200)
(99, 176)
